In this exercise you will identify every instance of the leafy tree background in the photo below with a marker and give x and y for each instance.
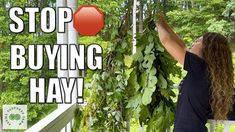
(189, 18)
(14, 88)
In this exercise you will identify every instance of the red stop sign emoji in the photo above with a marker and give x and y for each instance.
(88, 20)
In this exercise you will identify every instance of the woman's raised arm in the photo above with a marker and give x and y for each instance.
(170, 40)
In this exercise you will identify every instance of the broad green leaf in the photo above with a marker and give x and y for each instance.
(109, 93)
(152, 89)
(167, 93)
(152, 81)
(143, 81)
(134, 101)
(118, 116)
(132, 81)
(128, 72)
(160, 48)
(106, 108)
(138, 56)
(162, 81)
(136, 112)
(128, 60)
(150, 38)
(149, 48)
(148, 61)
(144, 113)
(153, 71)
(147, 96)
(104, 75)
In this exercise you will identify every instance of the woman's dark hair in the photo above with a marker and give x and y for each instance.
(217, 53)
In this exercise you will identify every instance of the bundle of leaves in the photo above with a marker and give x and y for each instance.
(150, 81)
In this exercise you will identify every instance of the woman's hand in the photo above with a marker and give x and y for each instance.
(160, 19)
(162, 23)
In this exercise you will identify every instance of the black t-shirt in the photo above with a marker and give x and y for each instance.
(193, 107)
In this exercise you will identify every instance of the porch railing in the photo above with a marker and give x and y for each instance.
(226, 123)
(62, 119)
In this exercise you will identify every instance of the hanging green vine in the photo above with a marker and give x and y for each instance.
(106, 110)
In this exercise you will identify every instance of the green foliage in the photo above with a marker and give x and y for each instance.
(189, 24)
(162, 119)
(152, 88)
(204, 16)
(221, 26)
(14, 88)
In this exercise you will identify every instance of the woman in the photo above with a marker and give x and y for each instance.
(207, 89)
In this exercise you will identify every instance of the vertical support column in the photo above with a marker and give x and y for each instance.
(226, 126)
(62, 38)
(1, 124)
(212, 126)
(141, 128)
(168, 130)
(133, 47)
(134, 26)
(72, 39)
